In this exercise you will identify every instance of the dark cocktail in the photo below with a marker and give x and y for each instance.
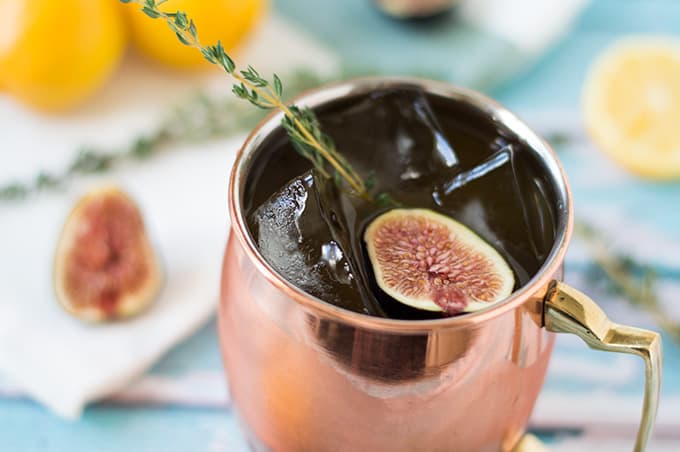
(426, 155)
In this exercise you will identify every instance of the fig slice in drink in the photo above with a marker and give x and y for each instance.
(432, 262)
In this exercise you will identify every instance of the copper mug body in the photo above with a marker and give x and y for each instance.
(307, 376)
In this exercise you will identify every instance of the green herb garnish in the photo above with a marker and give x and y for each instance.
(300, 123)
(625, 276)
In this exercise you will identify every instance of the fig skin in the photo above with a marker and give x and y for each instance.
(430, 261)
(412, 9)
(80, 256)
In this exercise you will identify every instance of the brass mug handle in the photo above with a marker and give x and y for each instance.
(566, 310)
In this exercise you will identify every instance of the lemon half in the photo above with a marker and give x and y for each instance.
(631, 105)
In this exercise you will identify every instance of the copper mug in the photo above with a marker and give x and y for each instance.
(308, 376)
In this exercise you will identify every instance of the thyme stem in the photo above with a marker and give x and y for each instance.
(302, 126)
(623, 275)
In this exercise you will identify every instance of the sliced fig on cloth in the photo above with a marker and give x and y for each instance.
(105, 267)
(429, 261)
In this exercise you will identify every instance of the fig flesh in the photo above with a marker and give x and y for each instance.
(105, 267)
(429, 261)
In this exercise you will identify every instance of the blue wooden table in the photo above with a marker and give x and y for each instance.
(553, 84)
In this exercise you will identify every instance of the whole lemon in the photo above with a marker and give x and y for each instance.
(225, 20)
(54, 54)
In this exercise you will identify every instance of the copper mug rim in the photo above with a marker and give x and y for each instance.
(358, 86)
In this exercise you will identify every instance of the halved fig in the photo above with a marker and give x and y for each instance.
(105, 267)
(430, 261)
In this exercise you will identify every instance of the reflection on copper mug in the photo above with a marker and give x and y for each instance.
(308, 376)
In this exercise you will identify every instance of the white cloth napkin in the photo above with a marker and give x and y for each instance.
(64, 363)
(530, 25)
(45, 352)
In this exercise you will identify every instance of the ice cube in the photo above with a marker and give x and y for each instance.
(496, 160)
(396, 123)
(301, 237)
(476, 195)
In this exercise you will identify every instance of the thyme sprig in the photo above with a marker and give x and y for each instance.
(300, 123)
(200, 117)
(623, 275)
